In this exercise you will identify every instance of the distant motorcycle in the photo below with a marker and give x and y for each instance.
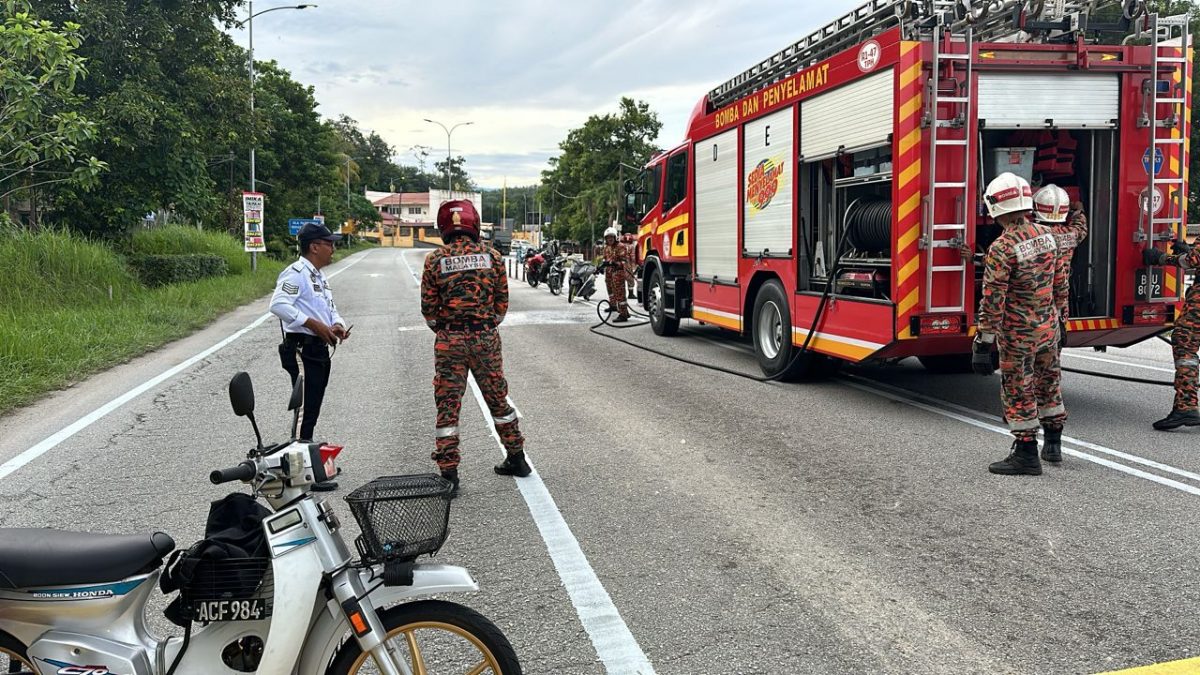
(554, 279)
(534, 261)
(583, 281)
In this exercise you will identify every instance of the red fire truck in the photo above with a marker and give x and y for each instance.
(827, 200)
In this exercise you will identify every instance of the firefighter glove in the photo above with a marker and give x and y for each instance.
(981, 355)
(1180, 247)
(1153, 256)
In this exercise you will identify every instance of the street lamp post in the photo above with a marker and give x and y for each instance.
(249, 23)
(449, 186)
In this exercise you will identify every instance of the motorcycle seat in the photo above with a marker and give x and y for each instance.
(34, 557)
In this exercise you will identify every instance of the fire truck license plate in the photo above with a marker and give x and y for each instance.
(1143, 281)
(231, 610)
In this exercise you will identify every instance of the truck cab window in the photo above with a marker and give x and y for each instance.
(676, 180)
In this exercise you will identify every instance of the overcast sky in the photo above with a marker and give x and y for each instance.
(524, 72)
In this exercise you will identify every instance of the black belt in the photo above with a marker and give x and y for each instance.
(464, 326)
(302, 339)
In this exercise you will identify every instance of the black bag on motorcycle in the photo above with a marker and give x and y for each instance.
(234, 546)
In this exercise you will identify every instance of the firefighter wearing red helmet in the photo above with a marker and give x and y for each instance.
(616, 264)
(464, 297)
(1185, 338)
(1023, 287)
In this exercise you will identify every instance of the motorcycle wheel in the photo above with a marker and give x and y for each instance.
(555, 285)
(13, 656)
(455, 638)
(533, 280)
(571, 290)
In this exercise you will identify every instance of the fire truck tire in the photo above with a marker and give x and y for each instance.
(772, 334)
(660, 323)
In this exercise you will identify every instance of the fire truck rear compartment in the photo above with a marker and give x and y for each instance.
(1081, 161)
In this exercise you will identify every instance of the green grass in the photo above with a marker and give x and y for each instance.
(177, 239)
(58, 324)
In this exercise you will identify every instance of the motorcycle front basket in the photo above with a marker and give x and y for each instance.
(401, 517)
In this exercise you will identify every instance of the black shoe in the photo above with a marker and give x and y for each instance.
(610, 310)
(1022, 461)
(1178, 418)
(452, 476)
(326, 486)
(621, 319)
(1052, 447)
(514, 465)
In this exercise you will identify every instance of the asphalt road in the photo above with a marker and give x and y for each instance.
(683, 520)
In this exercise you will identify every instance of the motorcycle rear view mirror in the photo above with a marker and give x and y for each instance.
(241, 397)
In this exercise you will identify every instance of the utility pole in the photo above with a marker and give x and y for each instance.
(449, 185)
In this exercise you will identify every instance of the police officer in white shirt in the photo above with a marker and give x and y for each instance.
(310, 321)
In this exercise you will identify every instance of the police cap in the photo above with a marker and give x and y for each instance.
(315, 231)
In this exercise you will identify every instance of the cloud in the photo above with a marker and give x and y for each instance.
(524, 72)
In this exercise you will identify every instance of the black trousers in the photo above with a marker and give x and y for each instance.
(314, 355)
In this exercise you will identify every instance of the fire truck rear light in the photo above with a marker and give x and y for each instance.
(1148, 315)
(939, 324)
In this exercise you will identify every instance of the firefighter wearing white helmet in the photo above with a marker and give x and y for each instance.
(616, 269)
(1052, 207)
(1023, 286)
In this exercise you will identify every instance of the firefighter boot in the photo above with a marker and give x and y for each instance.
(452, 476)
(514, 465)
(1022, 460)
(1178, 418)
(1052, 445)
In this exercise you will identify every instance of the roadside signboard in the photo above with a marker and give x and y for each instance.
(252, 220)
(294, 224)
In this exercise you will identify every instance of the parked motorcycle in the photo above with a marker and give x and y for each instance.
(274, 591)
(554, 279)
(583, 281)
(534, 261)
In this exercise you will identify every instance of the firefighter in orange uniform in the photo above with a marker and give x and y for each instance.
(616, 264)
(1185, 338)
(1023, 286)
(464, 297)
(1052, 208)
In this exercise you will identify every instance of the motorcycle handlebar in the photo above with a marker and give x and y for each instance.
(243, 471)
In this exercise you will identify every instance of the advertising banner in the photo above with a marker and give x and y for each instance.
(252, 218)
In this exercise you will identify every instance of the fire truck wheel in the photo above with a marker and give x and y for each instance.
(660, 323)
(772, 333)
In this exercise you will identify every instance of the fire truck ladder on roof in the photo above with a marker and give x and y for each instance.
(990, 20)
(1169, 34)
(952, 66)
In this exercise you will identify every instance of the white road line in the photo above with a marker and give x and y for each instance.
(91, 418)
(614, 643)
(1118, 363)
(944, 409)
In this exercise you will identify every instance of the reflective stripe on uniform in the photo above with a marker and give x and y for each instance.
(1050, 412)
(446, 432)
(1184, 363)
(506, 419)
(1023, 425)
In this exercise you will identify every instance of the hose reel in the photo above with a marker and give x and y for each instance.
(868, 224)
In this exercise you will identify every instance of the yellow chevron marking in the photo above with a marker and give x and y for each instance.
(910, 173)
(677, 220)
(1091, 325)
(907, 47)
(908, 109)
(910, 75)
(908, 206)
(909, 302)
(910, 139)
(908, 238)
(905, 333)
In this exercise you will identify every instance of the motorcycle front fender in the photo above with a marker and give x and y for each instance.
(331, 626)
